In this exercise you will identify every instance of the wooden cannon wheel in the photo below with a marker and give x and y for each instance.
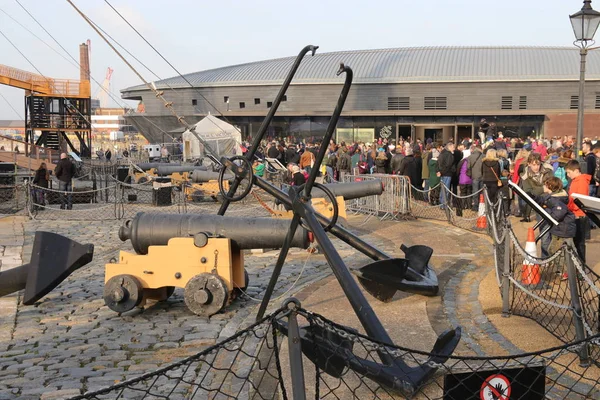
(206, 294)
(123, 293)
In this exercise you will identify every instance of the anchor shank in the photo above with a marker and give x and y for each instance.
(362, 309)
(278, 266)
(267, 121)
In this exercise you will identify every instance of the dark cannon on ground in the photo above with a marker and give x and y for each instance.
(325, 206)
(202, 254)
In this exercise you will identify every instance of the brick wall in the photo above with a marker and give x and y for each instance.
(561, 124)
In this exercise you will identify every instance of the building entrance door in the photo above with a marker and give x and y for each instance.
(436, 135)
(404, 131)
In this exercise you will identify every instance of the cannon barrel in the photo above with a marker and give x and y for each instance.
(146, 230)
(149, 165)
(205, 176)
(352, 190)
(168, 169)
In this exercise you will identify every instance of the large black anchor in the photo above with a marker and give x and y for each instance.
(392, 372)
(381, 279)
(53, 259)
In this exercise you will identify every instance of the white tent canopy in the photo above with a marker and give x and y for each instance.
(223, 138)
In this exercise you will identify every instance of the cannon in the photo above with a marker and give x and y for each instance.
(138, 177)
(202, 254)
(206, 176)
(352, 190)
(341, 191)
(168, 169)
(202, 185)
(179, 175)
(154, 165)
(144, 172)
(53, 258)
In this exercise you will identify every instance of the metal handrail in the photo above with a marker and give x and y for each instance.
(31, 150)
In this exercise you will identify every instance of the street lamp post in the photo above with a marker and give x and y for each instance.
(585, 23)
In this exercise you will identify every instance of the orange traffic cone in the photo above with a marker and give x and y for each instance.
(530, 274)
(481, 219)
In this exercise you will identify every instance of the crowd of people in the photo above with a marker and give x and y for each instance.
(546, 169)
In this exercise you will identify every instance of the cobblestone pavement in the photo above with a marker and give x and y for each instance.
(69, 342)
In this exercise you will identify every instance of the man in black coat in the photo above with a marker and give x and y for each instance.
(273, 151)
(291, 155)
(64, 171)
(411, 167)
(457, 157)
(396, 160)
(445, 169)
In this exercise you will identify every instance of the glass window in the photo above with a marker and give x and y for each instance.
(351, 135)
(344, 135)
(364, 135)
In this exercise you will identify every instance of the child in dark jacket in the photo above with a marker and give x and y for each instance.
(555, 200)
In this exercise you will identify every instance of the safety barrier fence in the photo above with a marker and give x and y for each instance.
(560, 293)
(13, 199)
(109, 199)
(400, 200)
(393, 203)
(260, 362)
(265, 361)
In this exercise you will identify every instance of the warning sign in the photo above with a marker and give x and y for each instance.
(500, 384)
(495, 387)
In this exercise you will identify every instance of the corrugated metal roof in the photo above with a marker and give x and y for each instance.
(416, 64)
(12, 123)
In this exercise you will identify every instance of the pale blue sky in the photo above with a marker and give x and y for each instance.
(196, 34)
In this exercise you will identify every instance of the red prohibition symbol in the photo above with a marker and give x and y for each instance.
(495, 387)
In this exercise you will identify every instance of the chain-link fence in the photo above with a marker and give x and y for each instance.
(13, 199)
(245, 366)
(99, 192)
(560, 292)
(323, 360)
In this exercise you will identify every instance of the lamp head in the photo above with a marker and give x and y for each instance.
(585, 22)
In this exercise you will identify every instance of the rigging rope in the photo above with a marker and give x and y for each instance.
(159, 94)
(167, 61)
(116, 99)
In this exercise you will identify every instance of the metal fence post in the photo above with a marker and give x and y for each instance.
(448, 200)
(506, 274)
(295, 350)
(584, 360)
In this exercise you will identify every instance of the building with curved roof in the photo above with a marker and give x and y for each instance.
(424, 92)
